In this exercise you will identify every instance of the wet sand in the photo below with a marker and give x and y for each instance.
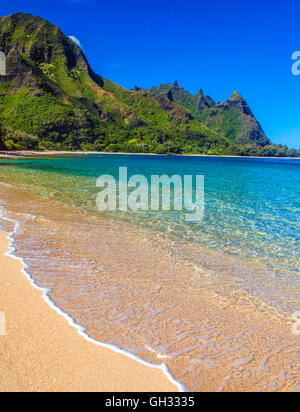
(42, 352)
(219, 324)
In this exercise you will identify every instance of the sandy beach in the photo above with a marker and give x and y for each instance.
(28, 153)
(220, 323)
(42, 352)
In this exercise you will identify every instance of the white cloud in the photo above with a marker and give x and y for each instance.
(76, 41)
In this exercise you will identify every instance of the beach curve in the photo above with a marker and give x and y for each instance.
(41, 352)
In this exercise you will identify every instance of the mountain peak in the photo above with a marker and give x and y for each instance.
(22, 14)
(38, 43)
(204, 102)
(235, 96)
(24, 19)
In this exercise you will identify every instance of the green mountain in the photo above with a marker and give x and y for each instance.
(52, 99)
(232, 118)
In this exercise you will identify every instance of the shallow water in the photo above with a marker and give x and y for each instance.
(212, 300)
(252, 205)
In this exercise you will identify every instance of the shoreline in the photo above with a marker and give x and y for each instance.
(31, 153)
(248, 339)
(42, 352)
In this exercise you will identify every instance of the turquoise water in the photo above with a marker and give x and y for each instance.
(213, 300)
(252, 206)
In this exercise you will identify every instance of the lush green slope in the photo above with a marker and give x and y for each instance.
(51, 99)
(232, 118)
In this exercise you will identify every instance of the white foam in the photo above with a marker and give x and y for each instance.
(80, 329)
(158, 355)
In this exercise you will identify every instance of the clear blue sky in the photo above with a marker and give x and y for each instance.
(218, 45)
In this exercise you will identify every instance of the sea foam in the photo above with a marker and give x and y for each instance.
(80, 329)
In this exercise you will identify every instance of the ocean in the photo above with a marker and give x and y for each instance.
(213, 299)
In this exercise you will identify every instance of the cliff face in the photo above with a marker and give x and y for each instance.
(175, 93)
(44, 90)
(233, 118)
(40, 55)
(204, 102)
(36, 41)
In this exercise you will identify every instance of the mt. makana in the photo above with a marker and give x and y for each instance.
(52, 99)
(233, 118)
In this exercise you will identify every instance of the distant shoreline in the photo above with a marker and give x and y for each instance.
(31, 153)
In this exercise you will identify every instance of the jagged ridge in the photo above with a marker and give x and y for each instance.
(233, 118)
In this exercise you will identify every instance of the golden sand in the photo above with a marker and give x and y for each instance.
(41, 352)
(153, 297)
